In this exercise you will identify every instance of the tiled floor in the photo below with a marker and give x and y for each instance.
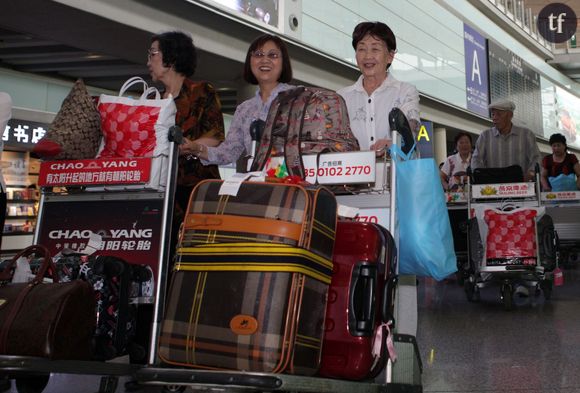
(480, 347)
(474, 347)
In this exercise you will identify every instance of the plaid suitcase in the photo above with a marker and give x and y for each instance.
(250, 283)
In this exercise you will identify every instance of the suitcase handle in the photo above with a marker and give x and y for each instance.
(388, 299)
(362, 298)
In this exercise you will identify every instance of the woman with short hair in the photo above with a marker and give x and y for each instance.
(559, 168)
(454, 170)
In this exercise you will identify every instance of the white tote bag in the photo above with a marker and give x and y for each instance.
(135, 127)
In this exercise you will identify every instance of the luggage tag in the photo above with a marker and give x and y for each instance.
(232, 184)
(22, 272)
(347, 211)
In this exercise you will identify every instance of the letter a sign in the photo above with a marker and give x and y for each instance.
(425, 139)
(476, 88)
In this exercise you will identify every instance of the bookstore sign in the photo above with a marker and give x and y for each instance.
(23, 134)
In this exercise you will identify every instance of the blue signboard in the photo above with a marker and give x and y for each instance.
(476, 86)
(425, 139)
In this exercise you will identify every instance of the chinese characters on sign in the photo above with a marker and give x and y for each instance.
(23, 133)
(503, 190)
(131, 231)
(340, 168)
(557, 196)
(94, 172)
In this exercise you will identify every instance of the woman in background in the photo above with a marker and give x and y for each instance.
(454, 170)
(558, 164)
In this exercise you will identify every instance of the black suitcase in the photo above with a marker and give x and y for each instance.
(112, 279)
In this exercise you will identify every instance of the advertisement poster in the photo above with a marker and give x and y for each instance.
(15, 168)
(265, 11)
(130, 230)
(567, 113)
(477, 91)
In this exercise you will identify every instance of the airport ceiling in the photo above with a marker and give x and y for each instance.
(47, 38)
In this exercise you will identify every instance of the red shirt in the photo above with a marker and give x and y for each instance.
(556, 168)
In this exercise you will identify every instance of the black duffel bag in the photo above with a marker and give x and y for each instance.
(510, 174)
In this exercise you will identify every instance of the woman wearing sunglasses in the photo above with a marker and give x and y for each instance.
(268, 66)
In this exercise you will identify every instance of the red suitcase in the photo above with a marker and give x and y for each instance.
(360, 299)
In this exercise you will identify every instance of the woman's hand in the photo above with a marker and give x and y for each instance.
(193, 149)
(381, 146)
(188, 147)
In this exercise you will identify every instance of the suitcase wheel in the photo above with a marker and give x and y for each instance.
(32, 384)
(141, 273)
(110, 266)
(173, 388)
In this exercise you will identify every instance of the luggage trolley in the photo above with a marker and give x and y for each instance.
(507, 268)
(377, 205)
(564, 208)
(458, 218)
(120, 207)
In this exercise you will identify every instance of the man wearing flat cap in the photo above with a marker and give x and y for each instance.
(506, 144)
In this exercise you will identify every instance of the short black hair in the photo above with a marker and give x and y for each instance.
(178, 51)
(558, 138)
(285, 76)
(460, 135)
(378, 30)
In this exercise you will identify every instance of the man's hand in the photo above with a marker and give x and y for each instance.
(529, 176)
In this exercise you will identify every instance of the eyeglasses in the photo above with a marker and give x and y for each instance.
(272, 55)
(152, 52)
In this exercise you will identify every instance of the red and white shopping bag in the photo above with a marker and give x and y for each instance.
(511, 234)
(135, 127)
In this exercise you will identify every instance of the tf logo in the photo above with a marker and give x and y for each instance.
(557, 22)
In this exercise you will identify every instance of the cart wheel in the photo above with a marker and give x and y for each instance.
(471, 290)
(5, 385)
(546, 286)
(173, 389)
(132, 386)
(507, 295)
(32, 384)
(108, 384)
